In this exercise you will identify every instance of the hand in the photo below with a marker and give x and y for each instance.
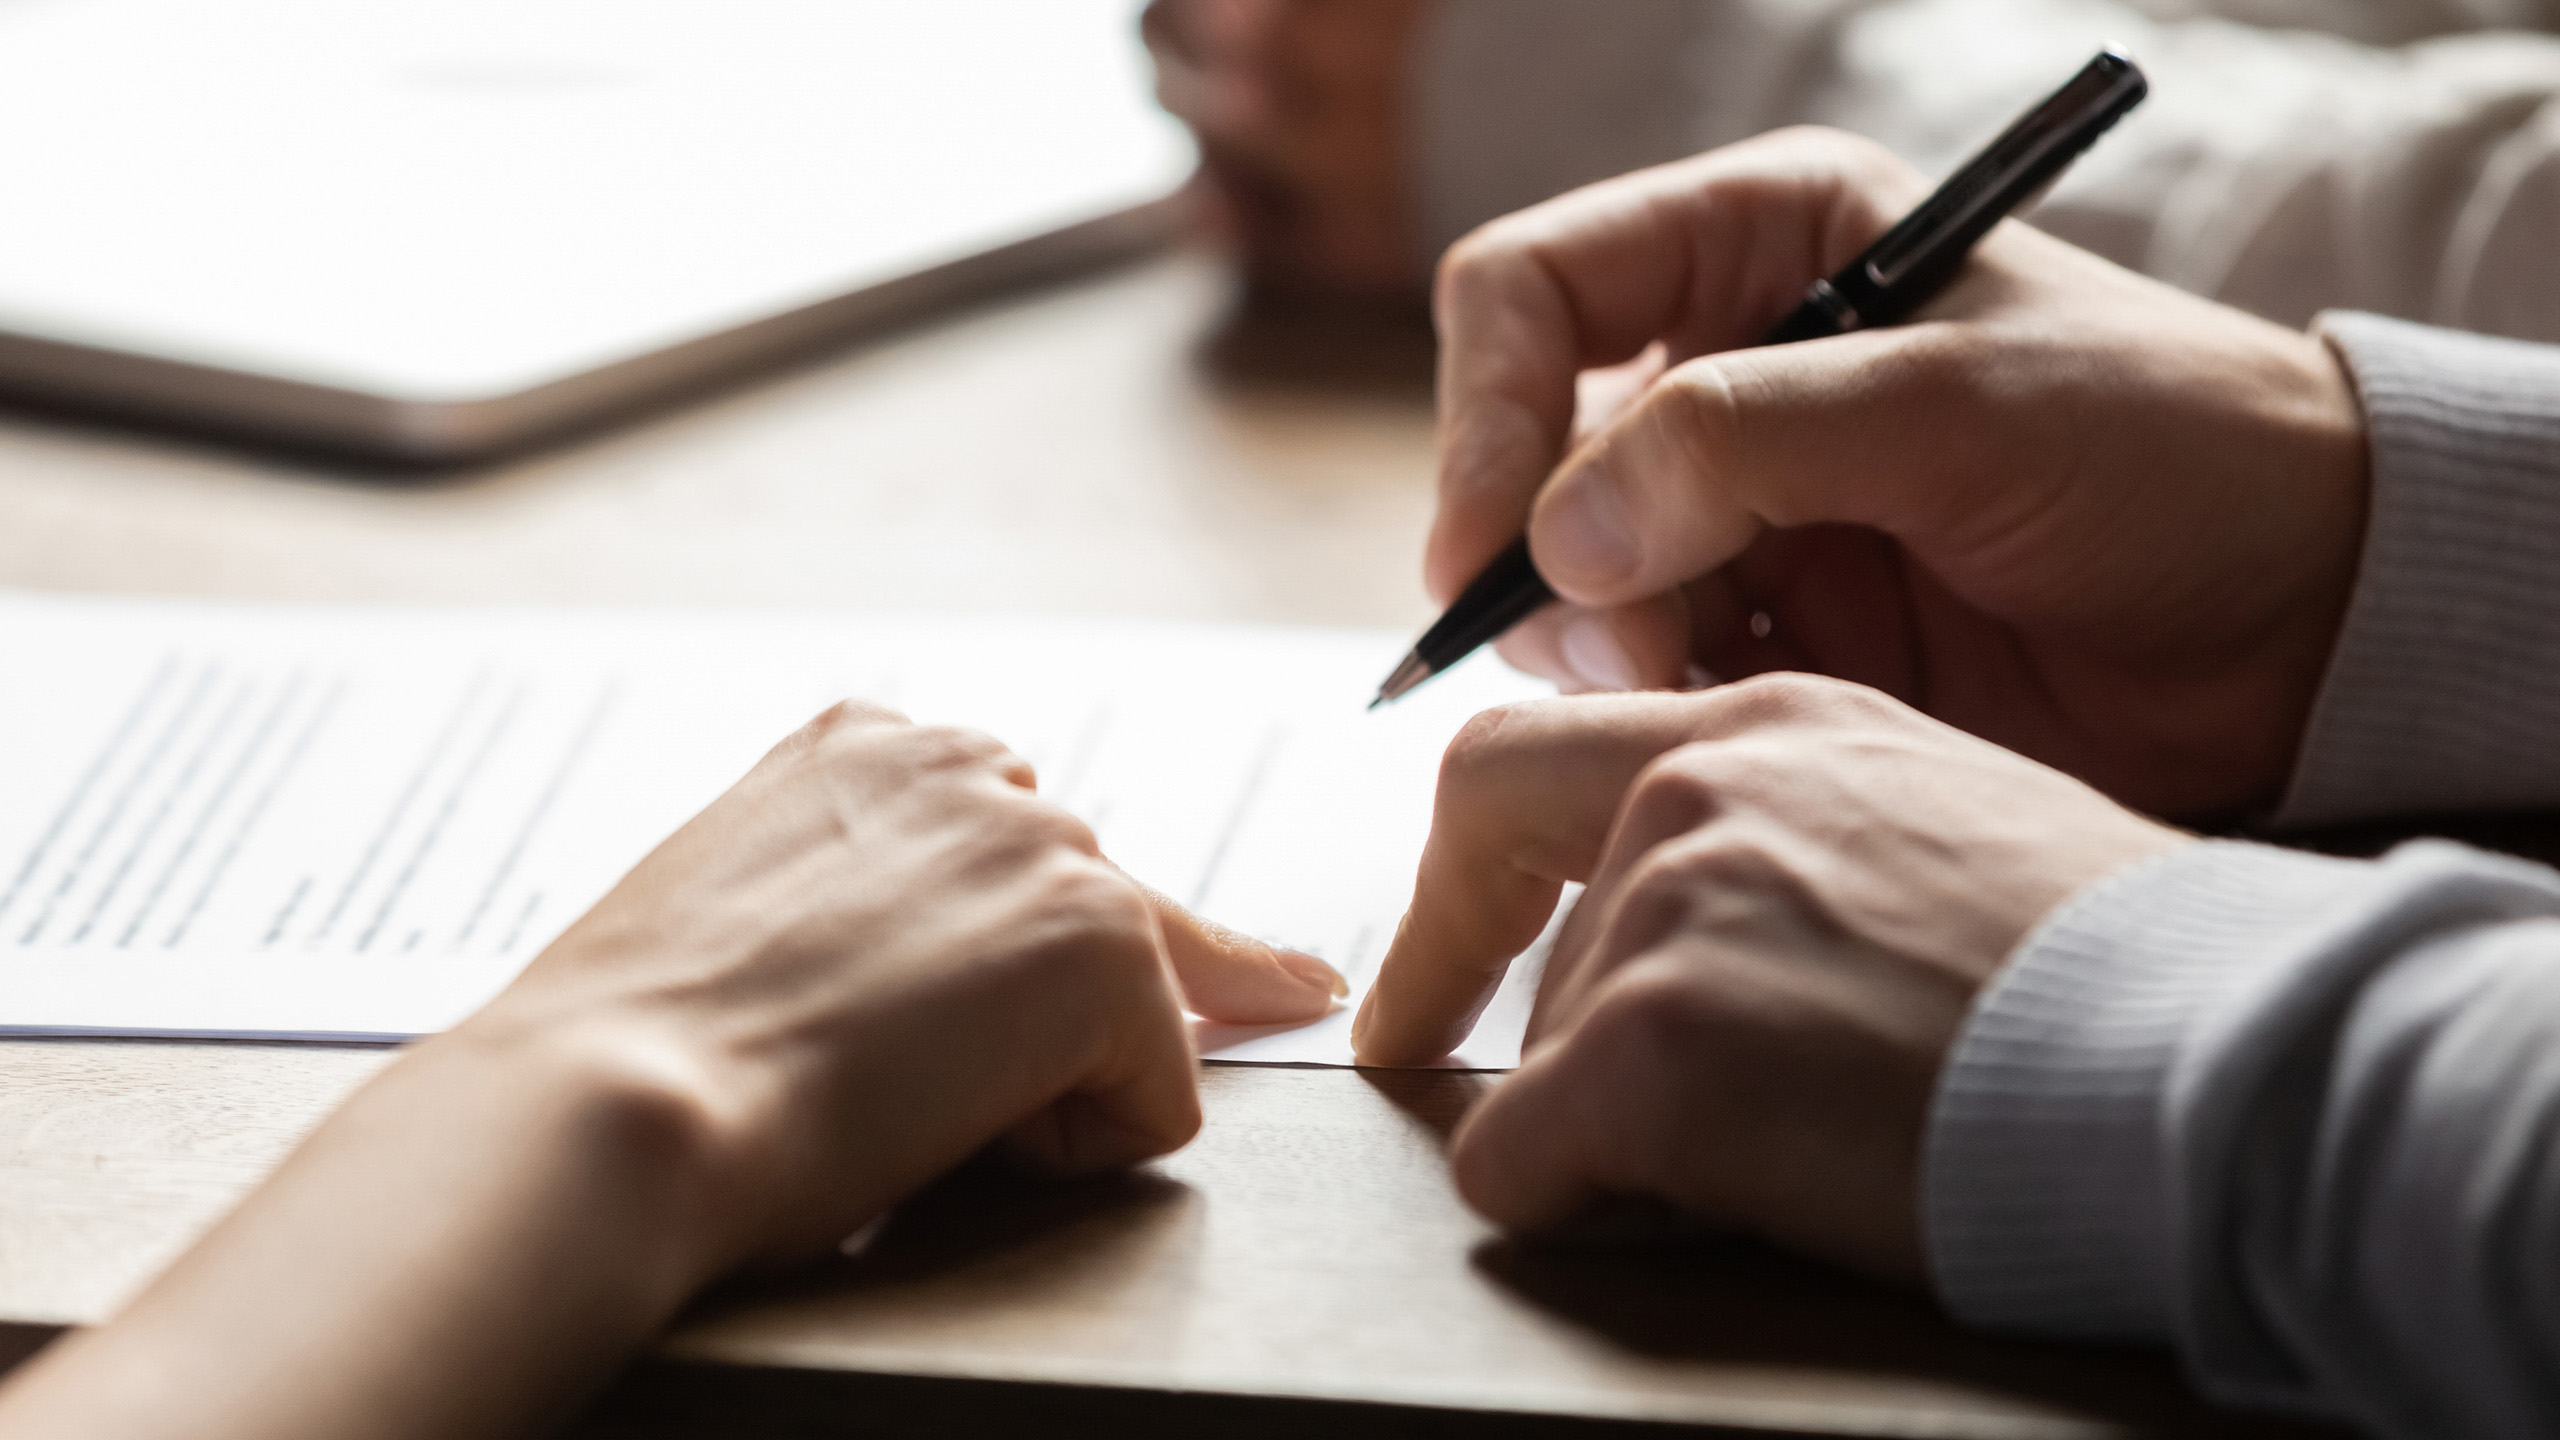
(2096, 520)
(1298, 108)
(1796, 887)
(877, 953)
(880, 951)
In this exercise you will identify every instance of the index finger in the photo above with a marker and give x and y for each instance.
(1229, 976)
(1703, 255)
(1527, 797)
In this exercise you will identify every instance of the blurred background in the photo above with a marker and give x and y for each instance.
(1003, 304)
(784, 302)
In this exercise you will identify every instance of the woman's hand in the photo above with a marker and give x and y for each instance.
(874, 955)
(2099, 521)
(1796, 887)
(879, 951)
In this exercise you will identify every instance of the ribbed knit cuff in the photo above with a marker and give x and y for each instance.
(1515, 101)
(2444, 693)
(2050, 1190)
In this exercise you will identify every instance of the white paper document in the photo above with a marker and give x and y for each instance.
(360, 823)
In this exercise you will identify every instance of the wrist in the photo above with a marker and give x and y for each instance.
(2327, 421)
(635, 1071)
(634, 1105)
(518, 1205)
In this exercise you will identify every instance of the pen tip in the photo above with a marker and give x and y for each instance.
(1412, 672)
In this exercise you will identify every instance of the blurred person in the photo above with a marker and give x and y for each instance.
(1854, 980)
(2394, 156)
(876, 954)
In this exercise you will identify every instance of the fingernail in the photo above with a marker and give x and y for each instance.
(1592, 649)
(1588, 536)
(1360, 1022)
(1316, 973)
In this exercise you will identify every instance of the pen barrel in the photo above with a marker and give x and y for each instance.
(1912, 262)
(1508, 592)
(1823, 312)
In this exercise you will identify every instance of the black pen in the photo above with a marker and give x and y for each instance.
(1897, 275)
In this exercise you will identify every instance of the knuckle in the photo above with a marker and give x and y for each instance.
(845, 717)
(1093, 898)
(1875, 183)
(1670, 445)
(1787, 695)
(1861, 161)
(851, 714)
(1699, 873)
(1708, 780)
(1091, 918)
(1482, 744)
(1064, 828)
(1473, 264)
(919, 752)
(1824, 143)
(1651, 1023)
(1625, 1077)
(1647, 1005)
(1699, 769)
(1719, 888)
(850, 711)
(953, 747)
(1507, 259)
(1681, 1033)
(1680, 788)
(1494, 746)
(1783, 698)
(1037, 825)
(1693, 412)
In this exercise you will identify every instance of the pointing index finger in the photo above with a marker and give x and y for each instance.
(1526, 800)
(1232, 977)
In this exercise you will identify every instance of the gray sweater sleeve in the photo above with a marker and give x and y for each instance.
(2298, 1116)
(2444, 692)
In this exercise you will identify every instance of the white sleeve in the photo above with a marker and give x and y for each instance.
(2282, 171)
(2346, 163)
(1515, 101)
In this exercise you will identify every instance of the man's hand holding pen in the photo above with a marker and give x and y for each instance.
(2069, 509)
(1885, 280)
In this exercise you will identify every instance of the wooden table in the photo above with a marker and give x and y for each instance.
(1123, 444)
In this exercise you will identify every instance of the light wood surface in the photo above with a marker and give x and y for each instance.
(1098, 448)
(1117, 445)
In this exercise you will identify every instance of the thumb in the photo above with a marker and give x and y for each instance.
(1886, 429)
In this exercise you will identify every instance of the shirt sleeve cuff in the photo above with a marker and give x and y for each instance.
(2049, 1192)
(2444, 691)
